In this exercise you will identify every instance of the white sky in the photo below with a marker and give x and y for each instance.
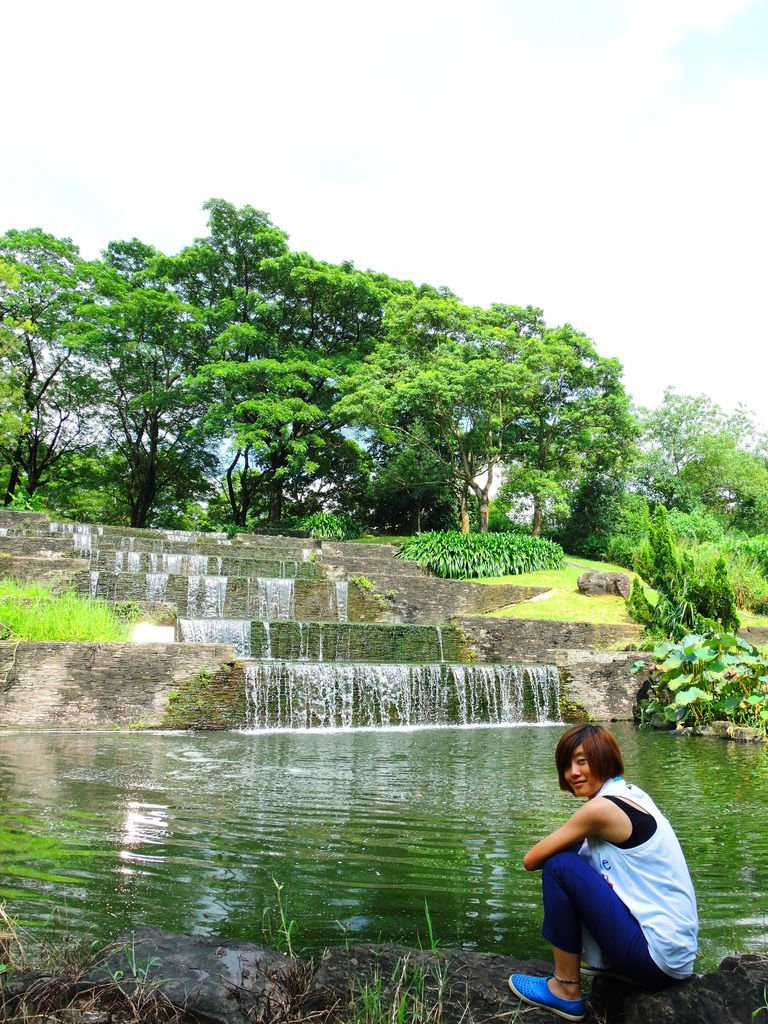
(606, 160)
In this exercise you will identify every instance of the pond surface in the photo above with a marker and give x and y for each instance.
(100, 832)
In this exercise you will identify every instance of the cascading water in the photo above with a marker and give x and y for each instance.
(173, 563)
(81, 541)
(197, 565)
(301, 695)
(206, 596)
(218, 631)
(157, 585)
(338, 600)
(3, 531)
(274, 598)
(327, 672)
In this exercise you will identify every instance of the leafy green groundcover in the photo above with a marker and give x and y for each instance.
(331, 526)
(707, 678)
(461, 556)
(31, 611)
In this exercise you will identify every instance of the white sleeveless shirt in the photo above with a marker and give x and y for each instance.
(652, 880)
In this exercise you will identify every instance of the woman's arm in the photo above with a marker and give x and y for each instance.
(594, 818)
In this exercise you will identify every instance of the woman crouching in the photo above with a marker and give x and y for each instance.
(616, 888)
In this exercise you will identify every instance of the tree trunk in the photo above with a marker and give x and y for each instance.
(464, 511)
(536, 525)
(483, 508)
(13, 483)
(275, 501)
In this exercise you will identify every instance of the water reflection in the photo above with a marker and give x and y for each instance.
(189, 832)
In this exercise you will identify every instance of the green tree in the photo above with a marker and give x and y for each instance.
(573, 420)
(694, 454)
(43, 286)
(444, 383)
(283, 328)
(145, 343)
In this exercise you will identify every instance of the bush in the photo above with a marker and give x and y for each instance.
(454, 555)
(34, 612)
(698, 525)
(331, 526)
(639, 607)
(709, 677)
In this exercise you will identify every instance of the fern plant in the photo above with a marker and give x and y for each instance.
(458, 556)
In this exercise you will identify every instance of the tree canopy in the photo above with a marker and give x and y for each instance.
(241, 383)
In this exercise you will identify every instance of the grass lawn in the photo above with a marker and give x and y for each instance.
(564, 603)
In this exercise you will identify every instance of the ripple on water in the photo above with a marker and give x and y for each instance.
(359, 828)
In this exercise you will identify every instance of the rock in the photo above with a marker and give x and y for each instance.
(598, 584)
(156, 976)
(469, 986)
(729, 995)
(218, 981)
(740, 733)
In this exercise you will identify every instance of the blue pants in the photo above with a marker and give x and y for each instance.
(575, 895)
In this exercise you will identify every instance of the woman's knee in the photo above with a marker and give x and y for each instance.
(566, 861)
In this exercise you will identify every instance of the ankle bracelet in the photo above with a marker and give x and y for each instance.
(564, 981)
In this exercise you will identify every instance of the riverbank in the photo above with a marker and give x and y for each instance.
(157, 976)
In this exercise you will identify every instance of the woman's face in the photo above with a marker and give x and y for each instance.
(579, 776)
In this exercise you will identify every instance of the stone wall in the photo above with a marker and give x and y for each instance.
(50, 570)
(86, 685)
(43, 547)
(505, 639)
(599, 680)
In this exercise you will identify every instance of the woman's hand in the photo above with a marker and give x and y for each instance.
(599, 818)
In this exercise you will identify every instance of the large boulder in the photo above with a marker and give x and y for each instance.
(598, 584)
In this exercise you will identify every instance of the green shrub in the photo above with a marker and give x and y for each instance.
(709, 677)
(34, 612)
(454, 555)
(698, 525)
(639, 607)
(331, 526)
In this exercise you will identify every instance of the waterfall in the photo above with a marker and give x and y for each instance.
(439, 632)
(4, 531)
(93, 583)
(206, 596)
(266, 643)
(338, 599)
(81, 541)
(134, 560)
(173, 563)
(218, 631)
(197, 565)
(275, 596)
(545, 685)
(118, 561)
(299, 695)
(157, 585)
(153, 562)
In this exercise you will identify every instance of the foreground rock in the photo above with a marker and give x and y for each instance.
(156, 976)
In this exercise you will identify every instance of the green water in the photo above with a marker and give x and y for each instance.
(105, 831)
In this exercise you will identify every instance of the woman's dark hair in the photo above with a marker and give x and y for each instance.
(600, 749)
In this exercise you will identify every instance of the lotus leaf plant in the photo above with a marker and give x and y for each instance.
(705, 678)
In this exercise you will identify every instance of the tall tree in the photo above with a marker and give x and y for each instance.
(43, 287)
(445, 382)
(573, 418)
(693, 453)
(145, 343)
(283, 328)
